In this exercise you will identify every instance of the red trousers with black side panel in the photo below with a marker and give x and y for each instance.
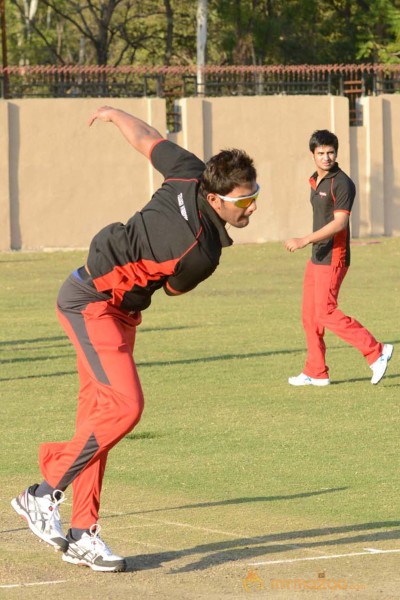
(110, 401)
(320, 310)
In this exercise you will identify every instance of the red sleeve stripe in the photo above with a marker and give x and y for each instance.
(171, 289)
(193, 245)
(181, 179)
(333, 195)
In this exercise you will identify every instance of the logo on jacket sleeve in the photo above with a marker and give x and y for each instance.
(182, 207)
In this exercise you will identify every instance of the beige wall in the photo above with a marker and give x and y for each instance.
(375, 167)
(275, 131)
(62, 181)
(67, 180)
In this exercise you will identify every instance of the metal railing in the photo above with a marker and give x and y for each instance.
(352, 81)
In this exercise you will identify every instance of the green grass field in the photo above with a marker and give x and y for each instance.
(233, 483)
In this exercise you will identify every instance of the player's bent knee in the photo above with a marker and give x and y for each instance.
(128, 414)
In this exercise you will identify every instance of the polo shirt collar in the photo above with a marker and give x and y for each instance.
(331, 173)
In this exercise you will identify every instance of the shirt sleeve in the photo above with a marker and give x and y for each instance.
(174, 162)
(190, 271)
(343, 192)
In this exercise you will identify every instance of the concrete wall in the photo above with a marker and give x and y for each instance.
(375, 166)
(275, 131)
(61, 181)
(66, 181)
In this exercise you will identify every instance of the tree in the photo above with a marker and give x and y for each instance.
(109, 30)
(164, 32)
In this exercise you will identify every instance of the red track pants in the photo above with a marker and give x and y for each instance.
(110, 400)
(320, 295)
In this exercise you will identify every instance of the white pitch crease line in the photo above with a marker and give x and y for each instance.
(229, 534)
(22, 585)
(293, 560)
(241, 536)
(377, 551)
(164, 548)
(141, 526)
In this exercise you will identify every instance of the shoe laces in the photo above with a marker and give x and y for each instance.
(57, 498)
(96, 540)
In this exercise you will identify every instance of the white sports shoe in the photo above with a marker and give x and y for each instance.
(42, 516)
(304, 379)
(91, 551)
(380, 365)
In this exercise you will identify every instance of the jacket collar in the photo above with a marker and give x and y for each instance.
(219, 224)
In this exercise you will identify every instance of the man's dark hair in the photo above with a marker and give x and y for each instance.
(227, 170)
(323, 137)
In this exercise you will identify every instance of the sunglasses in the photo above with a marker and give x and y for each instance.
(242, 201)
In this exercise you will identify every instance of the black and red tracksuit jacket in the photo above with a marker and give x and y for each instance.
(174, 242)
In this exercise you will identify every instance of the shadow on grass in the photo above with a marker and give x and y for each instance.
(168, 363)
(179, 362)
(39, 376)
(357, 379)
(57, 338)
(32, 359)
(245, 549)
(233, 501)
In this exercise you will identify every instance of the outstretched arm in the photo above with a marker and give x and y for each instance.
(139, 134)
(340, 221)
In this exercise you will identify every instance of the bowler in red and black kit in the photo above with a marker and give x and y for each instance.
(332, 197)
(174, 243)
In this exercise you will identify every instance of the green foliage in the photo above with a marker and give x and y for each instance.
(156, 32)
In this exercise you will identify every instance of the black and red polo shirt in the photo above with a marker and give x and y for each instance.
(335, 192)
(174, 242)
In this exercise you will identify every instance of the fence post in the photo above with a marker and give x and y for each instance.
(374, 84)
